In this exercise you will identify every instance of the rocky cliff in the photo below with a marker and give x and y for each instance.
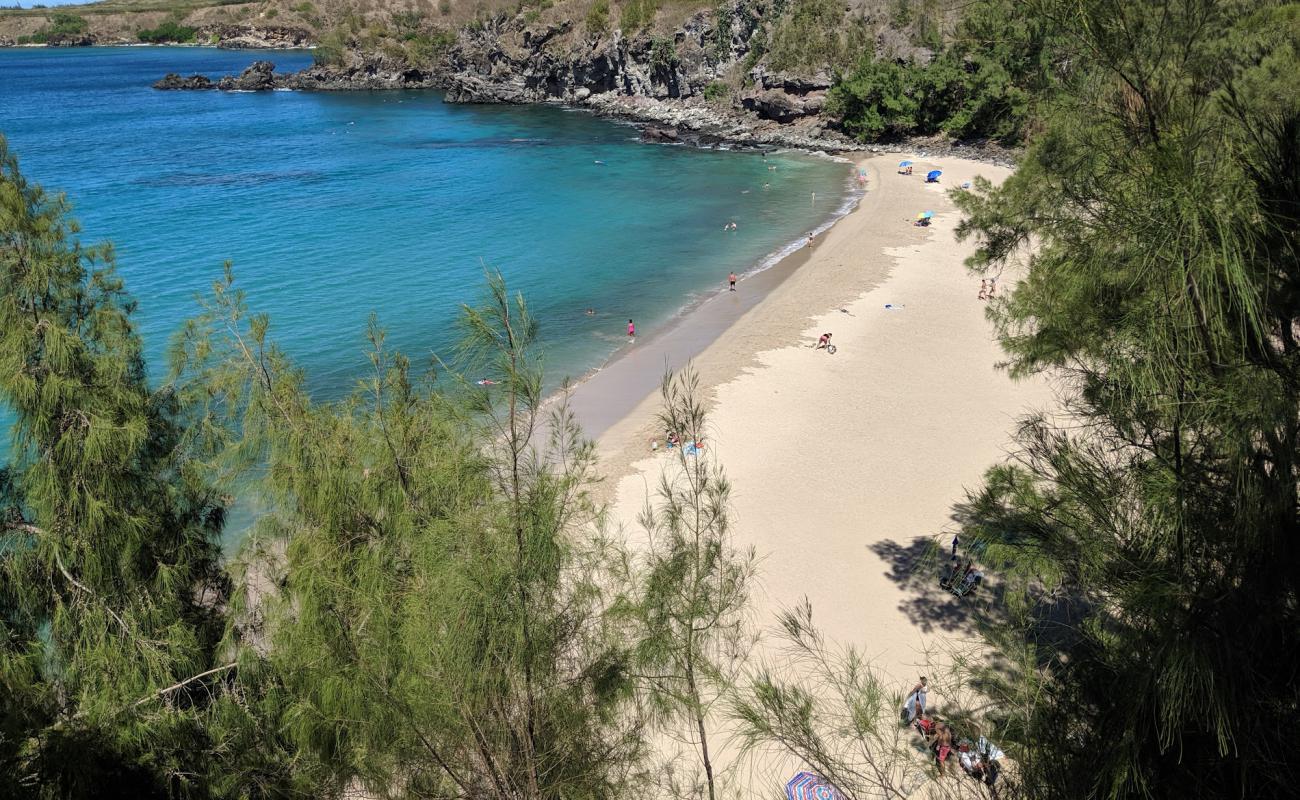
(659, 75)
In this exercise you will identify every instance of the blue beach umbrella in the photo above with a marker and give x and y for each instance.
(933, 175)
(807, 786)
(905, 163)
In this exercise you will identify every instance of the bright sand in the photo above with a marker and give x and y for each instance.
(844, 466)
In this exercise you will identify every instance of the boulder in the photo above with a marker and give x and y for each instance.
(792, 83)
(656, 134)
(776, 105)
(173, 80)
(257, 78)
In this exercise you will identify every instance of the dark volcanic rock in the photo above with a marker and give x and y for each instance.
(174, 81)
(794, 84)
(654, 134)
(259, 77)
(376, 72)
(776, 105)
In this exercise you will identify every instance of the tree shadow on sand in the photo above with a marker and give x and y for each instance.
(916, 567)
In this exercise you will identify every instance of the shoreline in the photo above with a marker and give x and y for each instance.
(691, 329)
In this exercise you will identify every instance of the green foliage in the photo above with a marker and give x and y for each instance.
(332, 49)
(984, 85)
(878, 98)
(62, 25)
(444, 7)
(169, 31)
(426, 48)
(663, 55)
(1151, 545)
(439, 624)
(636, 15)
(717, 90)
(814, 34)
(689, 585)
(826, 706)
(111, 596)
(597, 19)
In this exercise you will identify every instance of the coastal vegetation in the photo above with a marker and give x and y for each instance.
(1149, 538)
(431, 603)
(62, 26)
(169, 31)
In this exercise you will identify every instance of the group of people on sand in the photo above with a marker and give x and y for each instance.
(988, 287)
(674, 439)
(980, 758)
(958, 579)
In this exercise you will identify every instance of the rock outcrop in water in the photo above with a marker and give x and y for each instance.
(257, 78)
(173, 80)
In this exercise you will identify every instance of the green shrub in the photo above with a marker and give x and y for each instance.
(169, 31)
(61, 24)
(304, 8)
(965, 98)
(717, 90)
(330, 49)
(663, 55)
(426, 48)
(444, 7)
(273, 13)
(815, 33)
(597, 19)
(636, 15)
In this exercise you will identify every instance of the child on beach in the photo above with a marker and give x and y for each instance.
(631, 329)
(824, 341)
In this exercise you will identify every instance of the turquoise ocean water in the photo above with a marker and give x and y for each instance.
(332, 206)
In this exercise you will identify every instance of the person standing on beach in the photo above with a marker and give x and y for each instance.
(631, 328)
(984, 289)
(915, 703)
(731, 279)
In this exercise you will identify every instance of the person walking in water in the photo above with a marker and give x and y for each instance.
(631, 328)
(731, 279)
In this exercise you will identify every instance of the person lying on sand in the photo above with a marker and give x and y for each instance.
(823, 341)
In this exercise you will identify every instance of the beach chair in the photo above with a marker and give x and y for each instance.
(966, 586)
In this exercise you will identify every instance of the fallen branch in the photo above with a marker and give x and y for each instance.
(164, 692)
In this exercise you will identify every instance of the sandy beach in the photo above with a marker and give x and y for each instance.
(845, 467)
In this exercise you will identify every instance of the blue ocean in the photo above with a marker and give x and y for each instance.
(333, 206)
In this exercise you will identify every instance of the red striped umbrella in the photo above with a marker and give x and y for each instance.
(807, 786)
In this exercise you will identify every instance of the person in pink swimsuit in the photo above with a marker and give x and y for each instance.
(631, 329)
